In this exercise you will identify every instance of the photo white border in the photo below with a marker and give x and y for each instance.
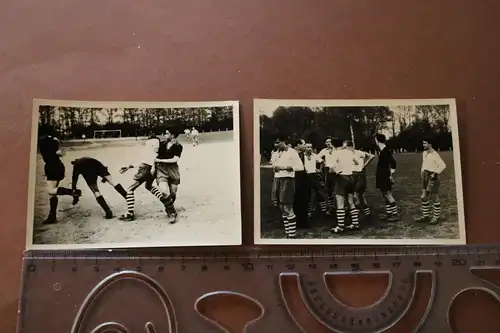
(275, 103)
(124, 104)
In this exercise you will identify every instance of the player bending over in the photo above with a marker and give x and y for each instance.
(359, 174)
(167, 170)
(54, 172)
(345, 161)
(145, 174)
(432, 167)
(285, 163)
(386, 167)
(90, 169)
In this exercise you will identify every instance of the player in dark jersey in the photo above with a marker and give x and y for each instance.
(49, 148)
(384, 178)
(167, 170)
(91, 169)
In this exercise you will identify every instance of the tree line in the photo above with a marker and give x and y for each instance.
(76, 122)
(406, 126)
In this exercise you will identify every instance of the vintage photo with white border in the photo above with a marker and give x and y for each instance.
(360, 172)
(134, 174)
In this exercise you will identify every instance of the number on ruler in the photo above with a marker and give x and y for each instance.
(204, 268)
(31, 268)
(160, 269)
(226, 267)
(248, 266)
(290, 266)
(458, 262)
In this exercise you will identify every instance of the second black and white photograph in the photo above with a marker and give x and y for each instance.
(132, 174)
(344, 172)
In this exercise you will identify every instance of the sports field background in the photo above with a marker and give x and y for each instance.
(208, 197)
(407, 193)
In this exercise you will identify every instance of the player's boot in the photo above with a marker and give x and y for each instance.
(434, 221)
(172, 218)
(76, 196)
(108, 215)
(393, 218)
(422, 219)
(50, 220)
(127, 217)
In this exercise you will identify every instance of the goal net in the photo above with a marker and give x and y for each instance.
(106, 134)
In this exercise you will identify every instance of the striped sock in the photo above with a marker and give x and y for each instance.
(388, 210)
(367, 211)
(394, 209)
(436, 210)
(426, 209)
(130, 203)
(292, 226)
(341, 218)
(355, 218)
(309, 209)
(323, 206)
(331, 204)
(157, 193)
(285, 224)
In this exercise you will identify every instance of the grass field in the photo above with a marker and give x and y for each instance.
(407, 193)
(208, 199)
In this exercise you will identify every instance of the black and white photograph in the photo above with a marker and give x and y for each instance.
(134, 174)
(362, 172)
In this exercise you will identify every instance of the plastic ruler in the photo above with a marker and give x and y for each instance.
(267, 291)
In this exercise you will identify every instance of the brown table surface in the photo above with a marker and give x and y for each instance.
(238, 50)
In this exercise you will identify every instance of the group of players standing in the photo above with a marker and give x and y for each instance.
(335, 180)
(160, 155)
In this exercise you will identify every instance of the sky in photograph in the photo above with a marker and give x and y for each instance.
(268, 111)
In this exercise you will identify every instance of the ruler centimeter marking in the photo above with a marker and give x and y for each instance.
(292, 287)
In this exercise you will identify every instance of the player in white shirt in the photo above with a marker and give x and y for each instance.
(432, 167)
(195, 136)
(359, 175)
(146, 174)
(326, 154)
(316, 188)
(187, 133)
(286, 162)
(345, 161)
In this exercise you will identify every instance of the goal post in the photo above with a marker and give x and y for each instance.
(107, 134)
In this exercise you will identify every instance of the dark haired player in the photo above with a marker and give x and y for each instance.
(359, 174)
(145, 174)
(432, 167)
(327, 154)
(167, 170)
(91, 169)
(315, 185)
(301, 198)
(48, 146)
(345, 161)
(286, 162)
(386, 167)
